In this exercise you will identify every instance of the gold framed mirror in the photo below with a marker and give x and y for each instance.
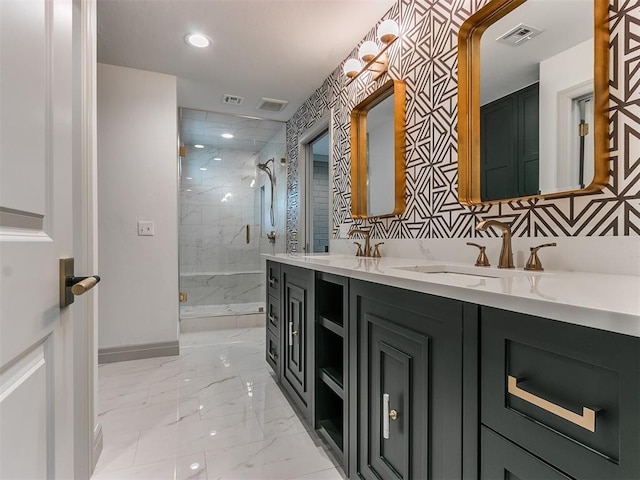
(538, 138)
(377, 153)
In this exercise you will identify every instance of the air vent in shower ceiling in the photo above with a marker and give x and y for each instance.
(519, 35)
(271, 104)
(232, 99)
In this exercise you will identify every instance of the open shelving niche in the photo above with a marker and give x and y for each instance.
(331, 401)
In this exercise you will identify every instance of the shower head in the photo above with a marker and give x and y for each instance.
(264, 167)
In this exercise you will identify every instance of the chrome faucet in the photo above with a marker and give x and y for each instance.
(367, 245)
(506, 253)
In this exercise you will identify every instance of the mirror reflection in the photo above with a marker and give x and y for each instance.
(377, 153)
(537, 65)
(380, 165)
(533, 98)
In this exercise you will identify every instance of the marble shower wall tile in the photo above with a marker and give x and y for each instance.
(241, 287)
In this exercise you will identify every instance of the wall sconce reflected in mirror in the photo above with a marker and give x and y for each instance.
(375, 60)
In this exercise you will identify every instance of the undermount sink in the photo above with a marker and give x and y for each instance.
(472, 271)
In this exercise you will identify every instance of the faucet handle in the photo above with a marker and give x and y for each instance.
(359, 252)
(376, 250)
(534, 262)
(482, 260)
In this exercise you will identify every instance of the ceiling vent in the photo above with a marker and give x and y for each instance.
(519, 35)
(271, 104)
(232, 99)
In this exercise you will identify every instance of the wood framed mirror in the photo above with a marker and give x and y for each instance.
(532, 100)
(377, 153)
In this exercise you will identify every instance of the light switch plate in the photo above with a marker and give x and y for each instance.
(145, 228)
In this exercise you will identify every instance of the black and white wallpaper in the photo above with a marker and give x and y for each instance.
(425, 57)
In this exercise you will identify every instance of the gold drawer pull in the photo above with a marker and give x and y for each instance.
(587, 420)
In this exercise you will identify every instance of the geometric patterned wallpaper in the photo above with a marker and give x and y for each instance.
(425, 57)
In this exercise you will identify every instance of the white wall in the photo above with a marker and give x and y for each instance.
(566, 71)
(137, 180)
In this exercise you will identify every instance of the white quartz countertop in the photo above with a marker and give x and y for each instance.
(602, 301)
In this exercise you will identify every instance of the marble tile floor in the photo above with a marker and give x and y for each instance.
(213, 412)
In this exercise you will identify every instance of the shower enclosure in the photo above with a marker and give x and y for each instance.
(227, 207)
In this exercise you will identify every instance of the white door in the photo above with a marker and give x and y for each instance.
(36, 230)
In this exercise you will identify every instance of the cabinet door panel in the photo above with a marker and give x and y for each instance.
(273, 315)
(273, 353)
(273, 279)
(399, 368)
(297, 336)
(296, 304)
(408, 345)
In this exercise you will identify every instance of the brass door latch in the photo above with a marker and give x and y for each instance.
(70, 285)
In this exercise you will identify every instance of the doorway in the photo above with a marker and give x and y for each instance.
(315, 167)
(319, 194)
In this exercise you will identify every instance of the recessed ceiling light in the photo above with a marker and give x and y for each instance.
(203, 169)
(188, 189)
(198, 146)
(197, 40)
(189, 178)
(227, 135)
(217, 159)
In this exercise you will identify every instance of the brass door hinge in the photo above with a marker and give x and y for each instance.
(182, 151)
(583, 129)
(183, 297)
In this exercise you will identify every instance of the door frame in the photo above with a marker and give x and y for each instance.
(87, 433)
(305, 172)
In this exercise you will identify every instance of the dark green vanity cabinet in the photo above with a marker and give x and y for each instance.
(469, 391)
(407, 346)
(562, 398)
(289, 319)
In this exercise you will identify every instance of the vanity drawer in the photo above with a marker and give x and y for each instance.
(501, 459)
(568, 394)
(273, 279)
(273, 352)
(273, 315)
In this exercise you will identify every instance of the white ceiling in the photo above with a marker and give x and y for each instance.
(206, 128)
(282, 49)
